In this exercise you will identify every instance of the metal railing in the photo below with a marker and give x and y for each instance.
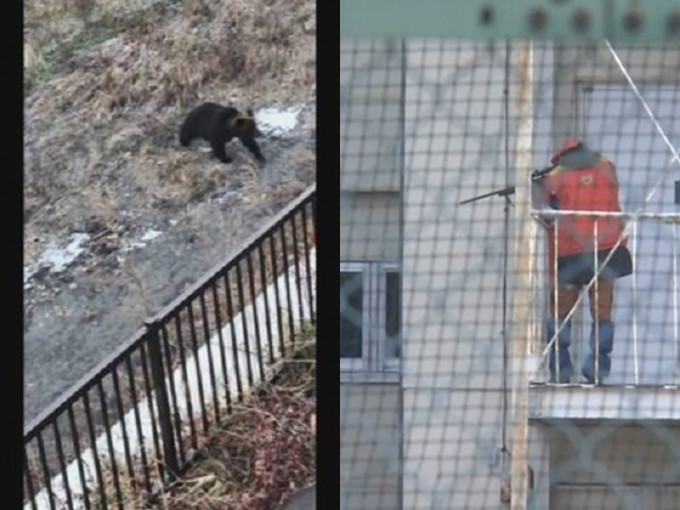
(134, 421)
(646, 368)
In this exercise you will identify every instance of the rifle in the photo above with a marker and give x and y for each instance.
(536, 177)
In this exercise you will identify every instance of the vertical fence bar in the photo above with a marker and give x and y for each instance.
(185, 378)
(109, 444)
(173, 391)
(95, 452)
(155, 389)
(164, 419)
(286, 279)
(29, 481)
(138, 424)
(76, 450)
(121, 420)
(305, 233)
(223, 357)
(62, 462)
(279, 316)
(296, 261)
(265, 297)
(211, 364)
(154, 429)
(244, 320)
(197, 364)
(45, 470)
(251, 285)
(234, 343)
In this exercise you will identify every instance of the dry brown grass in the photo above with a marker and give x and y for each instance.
(104, 99)
(262, 453)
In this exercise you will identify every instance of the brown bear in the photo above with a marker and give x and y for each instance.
(217, 125)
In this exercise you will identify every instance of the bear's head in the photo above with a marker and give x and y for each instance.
(244, 125)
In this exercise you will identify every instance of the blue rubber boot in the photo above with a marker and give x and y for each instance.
(563, 343)
(606, 344)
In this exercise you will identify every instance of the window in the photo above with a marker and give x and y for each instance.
(370, 316)
(392, 314)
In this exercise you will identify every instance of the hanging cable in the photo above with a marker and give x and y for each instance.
(506, 234)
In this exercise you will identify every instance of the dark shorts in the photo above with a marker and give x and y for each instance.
(579, 269)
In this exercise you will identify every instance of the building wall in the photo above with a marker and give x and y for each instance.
(369, 453)
(626, 466)
(371, 151)
(369, 226)
(452, 267)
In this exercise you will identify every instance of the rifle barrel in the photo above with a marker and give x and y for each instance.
(500, 192)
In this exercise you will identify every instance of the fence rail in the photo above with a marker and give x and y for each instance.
(132, 423)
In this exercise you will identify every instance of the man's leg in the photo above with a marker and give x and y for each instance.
(559, 350)
(602, 331)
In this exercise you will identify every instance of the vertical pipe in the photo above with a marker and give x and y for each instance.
(636, 364)
(675, 301)
(596, 305)
(557, 325)
(524, 341)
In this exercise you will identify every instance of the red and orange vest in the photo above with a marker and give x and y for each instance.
(594, 188)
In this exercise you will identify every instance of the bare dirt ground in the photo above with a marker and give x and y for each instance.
(119, 218)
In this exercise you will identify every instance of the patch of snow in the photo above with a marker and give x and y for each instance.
(277, 121)
(132, 245)
(151, 234)
(58, 259)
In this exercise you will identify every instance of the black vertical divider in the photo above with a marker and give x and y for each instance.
(327, 229)
(164, 416)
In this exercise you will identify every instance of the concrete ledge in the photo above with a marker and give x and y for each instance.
(587, 402)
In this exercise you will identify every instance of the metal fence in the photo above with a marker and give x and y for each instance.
(135, 421)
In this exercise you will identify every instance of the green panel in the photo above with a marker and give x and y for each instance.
(658, 21)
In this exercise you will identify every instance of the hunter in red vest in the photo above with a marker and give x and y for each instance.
(583, 180)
